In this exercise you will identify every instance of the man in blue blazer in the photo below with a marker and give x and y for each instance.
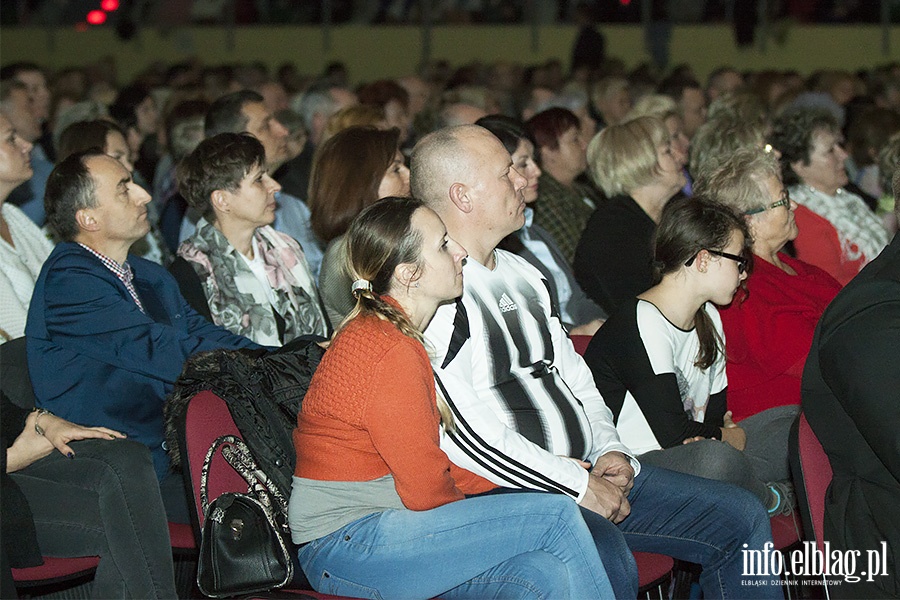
(108, 332)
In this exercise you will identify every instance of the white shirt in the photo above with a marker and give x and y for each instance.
(20, 266)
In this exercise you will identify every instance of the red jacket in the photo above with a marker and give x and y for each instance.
(768, 334)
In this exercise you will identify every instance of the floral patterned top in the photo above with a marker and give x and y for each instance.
(237, 299)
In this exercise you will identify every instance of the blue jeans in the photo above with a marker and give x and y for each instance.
(530, 545)
(691, 518)
(697, 520)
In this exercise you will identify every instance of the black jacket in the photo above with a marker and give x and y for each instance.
(851, 397)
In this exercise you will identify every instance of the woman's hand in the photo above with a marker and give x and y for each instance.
(30, 446)
(60, 432)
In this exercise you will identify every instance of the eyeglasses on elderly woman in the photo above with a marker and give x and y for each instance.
(784, 201)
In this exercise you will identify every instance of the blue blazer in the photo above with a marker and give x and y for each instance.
(97, 360)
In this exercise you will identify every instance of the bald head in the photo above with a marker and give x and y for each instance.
(440, 159)
(466, 176)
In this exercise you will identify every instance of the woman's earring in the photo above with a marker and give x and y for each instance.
(416, 284)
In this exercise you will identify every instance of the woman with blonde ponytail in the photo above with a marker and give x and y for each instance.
(659, 360)
(375, 508)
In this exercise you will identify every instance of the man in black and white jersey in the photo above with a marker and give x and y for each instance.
(527, 413)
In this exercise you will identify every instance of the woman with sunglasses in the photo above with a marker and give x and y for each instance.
(659, 361)
(769, 326)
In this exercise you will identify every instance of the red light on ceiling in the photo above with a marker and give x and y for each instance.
(624, 2)
(109, 5)
(96, 17)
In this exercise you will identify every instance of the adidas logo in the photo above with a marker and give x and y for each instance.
(507, 305)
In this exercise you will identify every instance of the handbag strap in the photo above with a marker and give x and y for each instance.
(237, 454)
(207, 463)
(241, 459)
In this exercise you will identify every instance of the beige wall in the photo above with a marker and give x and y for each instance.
(372, 52)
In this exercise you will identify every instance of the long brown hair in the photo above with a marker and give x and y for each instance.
(687, 226)
(347, 170)
(379, 239)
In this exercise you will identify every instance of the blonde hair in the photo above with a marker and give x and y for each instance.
(653, 105)
(358, 115)
(624, 157)
(888, 161)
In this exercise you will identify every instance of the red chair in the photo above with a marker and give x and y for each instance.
(812, 476)
(811, 471)
(580, 342)
(57, 571)
(654, 573)
(207, 418)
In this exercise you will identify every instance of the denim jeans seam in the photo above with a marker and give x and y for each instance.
(675, 537)
(535, 514)
(528, 585)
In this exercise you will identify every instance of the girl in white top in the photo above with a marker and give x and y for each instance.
(23, 247)
(659, 361)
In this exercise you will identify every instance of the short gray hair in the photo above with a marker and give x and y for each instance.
(739, 181)
(314, 102)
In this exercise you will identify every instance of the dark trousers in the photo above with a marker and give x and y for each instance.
(105, 502)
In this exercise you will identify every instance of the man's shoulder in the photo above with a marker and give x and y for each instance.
(71, 258)
(508, 262)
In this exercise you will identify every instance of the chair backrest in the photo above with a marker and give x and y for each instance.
(812, 476)
(206, 419)
(580, 342)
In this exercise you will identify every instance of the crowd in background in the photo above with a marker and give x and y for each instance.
(258, 229)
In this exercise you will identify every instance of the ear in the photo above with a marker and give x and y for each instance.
(459, 196)
(405, 274)
(219, 200)
(702, 261)
(798, 166)
(85, 219)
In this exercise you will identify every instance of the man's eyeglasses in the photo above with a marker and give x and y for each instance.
(740, 260)
(785, 201)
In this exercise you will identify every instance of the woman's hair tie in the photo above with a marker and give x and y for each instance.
(361, 285)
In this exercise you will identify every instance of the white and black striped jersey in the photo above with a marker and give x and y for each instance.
(522, 398)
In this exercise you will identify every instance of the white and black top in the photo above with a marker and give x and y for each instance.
(644, 367)
(522, 398)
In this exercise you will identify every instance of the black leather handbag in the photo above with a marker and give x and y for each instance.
(243, 549)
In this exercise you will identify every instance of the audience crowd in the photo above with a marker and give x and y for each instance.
(445, 235)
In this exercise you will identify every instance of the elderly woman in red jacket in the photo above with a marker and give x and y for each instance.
(769, 325)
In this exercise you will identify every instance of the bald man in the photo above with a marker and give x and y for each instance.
(528, 415)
